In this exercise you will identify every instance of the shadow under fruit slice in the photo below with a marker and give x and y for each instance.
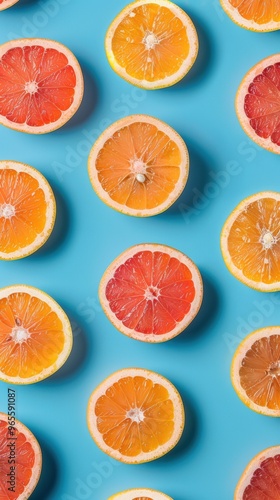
(35, 335)
(261, 479)
(28, 458)
(250, 241)
(254, 15)
(135, 416)
(139, 166)
(151, 292)
(255, 371)
(27, 210)
(5, 4)
(41, 85)
(258, 103)
(152, 44)
(140, 494)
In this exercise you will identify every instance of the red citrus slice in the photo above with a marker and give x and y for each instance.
(151, 292)
(41, 85)
(28, 460)
(5, 4)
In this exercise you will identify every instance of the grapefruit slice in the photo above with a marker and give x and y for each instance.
(135, 416)
(140, 494)
(151, 292)
(41, 85)
(258, 103)
(5, 4)
(152, 44)
(254, 15)
(261, 479)
(250, 241)
(27, 210)
(139, 166)
(28, 457)
(34, 332)
(255, 371)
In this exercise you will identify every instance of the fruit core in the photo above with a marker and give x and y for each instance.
(268, 240)
(152, 293)
(31, 87)
(150, 40)
(136, 415)
(7, 210)
(274, 370)
(20, 334)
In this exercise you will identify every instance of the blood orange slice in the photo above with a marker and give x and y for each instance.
(41, 85)
(140, 494)
(136, 416)
(258, 103)
(5, 4)
(254, 15)
(19, 444)
(151, 292)
(261, 479)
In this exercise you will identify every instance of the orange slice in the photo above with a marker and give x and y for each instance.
(250, 241)
(27, 210)
(140, 494)
(254, 15)
(41, 85)
(258, 103)
(5, 4)
(139, 166)
(151, 292)
(261, 479)
(255, 371)
(34, 332)
(152, 44)
(135, 416)
(18, 443)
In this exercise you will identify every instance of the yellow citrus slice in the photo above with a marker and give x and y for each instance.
(139, 166)
(152, 43)
(250, 241)
(5, 4)
(18, 444)
(27, 210)
(151, 292)
(41, 85)
(140, 494)
(255, 371)
(254, 15)
(261, 479)
(34, 332)
(136, 416)
(258, 103)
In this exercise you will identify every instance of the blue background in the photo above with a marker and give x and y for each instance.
(221, 435)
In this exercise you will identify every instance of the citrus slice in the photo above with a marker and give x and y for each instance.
(34, 332)
(254, 15)
(255, 371)
(258, 103)
(140, 494)
(151, 292)
(5, 4)
(136, 416)
(19, 444)
(41, 85)
(261, 479)
(152, 43)
(27, 210)
(139, 166)
(250, 241)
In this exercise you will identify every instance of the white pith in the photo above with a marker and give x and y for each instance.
(138, 493)
(245, 23)
(19, 334)
(7, 210)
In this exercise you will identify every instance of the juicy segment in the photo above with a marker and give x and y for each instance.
(37, 85)
(265, 482)
(253, 241)
(262, 102)
(150, 43)
(135, 415)
(151, 292)
(261, 12)
(31, 335)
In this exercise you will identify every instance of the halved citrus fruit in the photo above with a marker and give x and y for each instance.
(258, 103)
(140, 494)
(255, 371)
(35, 335)
(19, 449)
(136, 416)
(27, 210)
(151, 292)
(5, 4)
(41, 85)
(152, 43)
(261, 479)
(254, 15)
(139, 166)
(250, 241)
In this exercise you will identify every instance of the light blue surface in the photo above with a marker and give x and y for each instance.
(222, 435)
